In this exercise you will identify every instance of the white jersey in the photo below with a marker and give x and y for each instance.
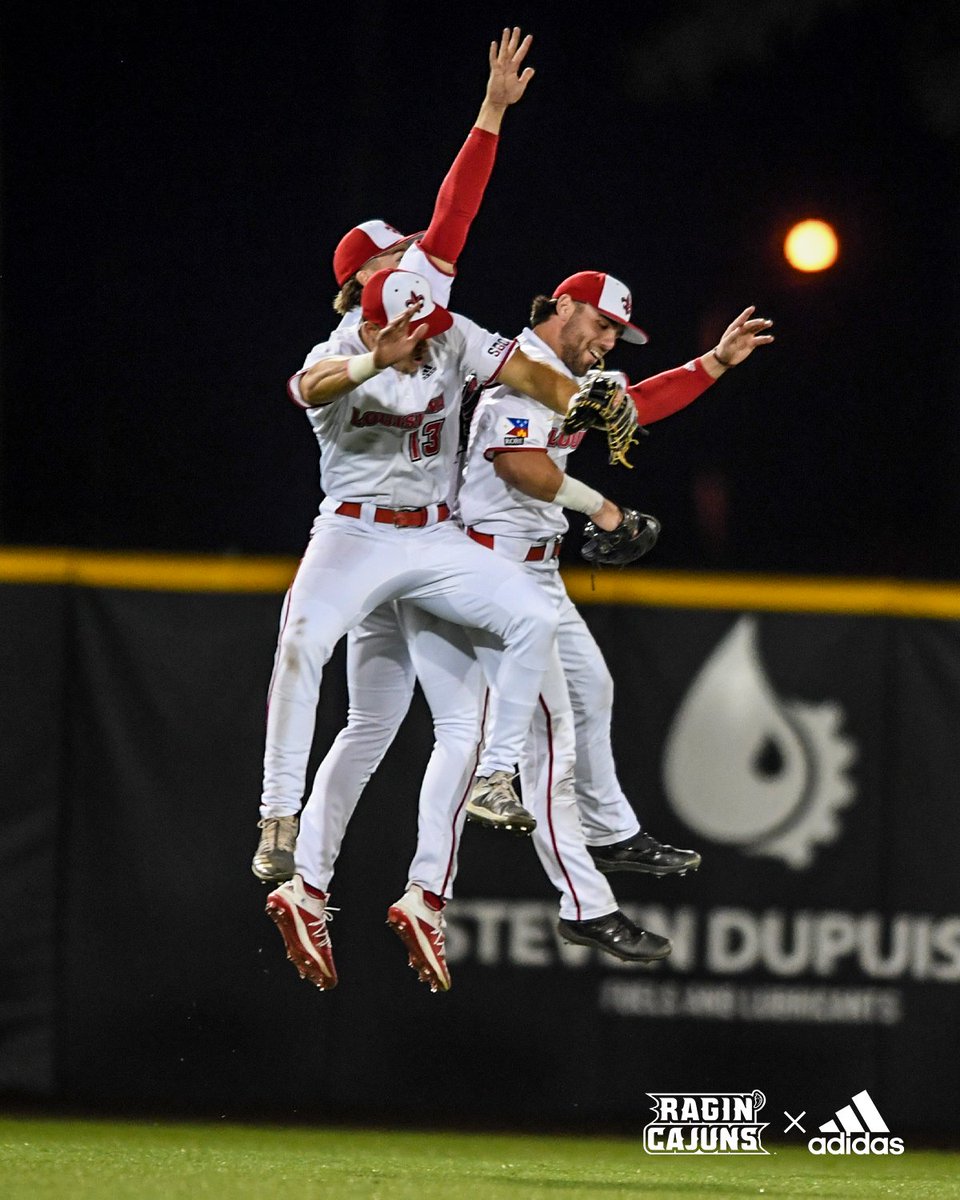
(508, 421)
(392, 441)
(440, 282)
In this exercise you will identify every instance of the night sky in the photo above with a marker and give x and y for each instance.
(175, 179)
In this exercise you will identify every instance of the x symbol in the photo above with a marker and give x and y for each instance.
(794, 1122)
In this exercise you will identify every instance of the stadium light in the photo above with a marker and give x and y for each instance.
(811, 245)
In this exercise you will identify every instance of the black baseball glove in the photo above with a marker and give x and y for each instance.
(633, 537)
(601, 403)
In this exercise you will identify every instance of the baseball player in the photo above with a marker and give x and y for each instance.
(383, 400)
(514, 490)
(378, 666)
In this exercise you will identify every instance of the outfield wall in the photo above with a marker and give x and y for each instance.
(803, 734)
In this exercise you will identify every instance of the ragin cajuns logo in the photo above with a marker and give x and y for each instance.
(365, 418)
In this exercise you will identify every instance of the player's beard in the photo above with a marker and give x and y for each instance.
(575, 353)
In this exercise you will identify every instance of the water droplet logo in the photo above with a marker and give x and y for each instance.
(745, 768)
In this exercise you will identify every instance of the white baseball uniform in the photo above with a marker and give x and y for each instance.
(389, 445)
(383, 665)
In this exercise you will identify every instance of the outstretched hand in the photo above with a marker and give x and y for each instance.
(396, 339)
(742, 336)
(507, 83)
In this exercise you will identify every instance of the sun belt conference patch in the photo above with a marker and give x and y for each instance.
(518, 432)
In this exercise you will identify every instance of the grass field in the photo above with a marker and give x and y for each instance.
(110, 1160)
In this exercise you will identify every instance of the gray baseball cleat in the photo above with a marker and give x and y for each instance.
(273, 861)
(494, 803)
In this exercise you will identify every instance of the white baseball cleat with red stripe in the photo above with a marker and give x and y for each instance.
(302, 921)
(420, 928)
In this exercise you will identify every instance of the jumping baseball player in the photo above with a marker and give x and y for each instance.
(377, 661)
(399, 642)
(514, 490)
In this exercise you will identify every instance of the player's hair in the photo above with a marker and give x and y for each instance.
(543, 308)
(348, 297)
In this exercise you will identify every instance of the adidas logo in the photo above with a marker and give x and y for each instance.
(858, 1129)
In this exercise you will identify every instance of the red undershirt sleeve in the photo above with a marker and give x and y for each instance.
(458, 200)
(668, 392)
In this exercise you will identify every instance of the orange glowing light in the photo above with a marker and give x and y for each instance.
(811, 246)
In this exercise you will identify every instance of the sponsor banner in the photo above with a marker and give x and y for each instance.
(722, 942)
(812, 760)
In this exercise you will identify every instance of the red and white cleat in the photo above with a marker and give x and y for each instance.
(302, 921)
(420, 928)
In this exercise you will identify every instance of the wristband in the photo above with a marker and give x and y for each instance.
(726, 365)
(361, 367)
(576, 495)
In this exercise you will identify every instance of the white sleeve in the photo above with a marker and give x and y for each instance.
(515, 422)
(440, 282)
(483, 353)
(322, 350)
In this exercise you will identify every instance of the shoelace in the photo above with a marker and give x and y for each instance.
(284, 832)
(322, 920)
(502, 794)
(505, 780)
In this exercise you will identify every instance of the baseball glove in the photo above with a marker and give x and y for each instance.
(633, 537)
(601, 403)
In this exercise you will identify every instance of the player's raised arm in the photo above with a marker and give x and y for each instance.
(461, 192)
(667, 393)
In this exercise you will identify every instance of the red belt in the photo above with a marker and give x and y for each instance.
(405, 518)
(534, 554)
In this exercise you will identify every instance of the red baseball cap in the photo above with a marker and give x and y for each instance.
(364, 242)
(388, 293)
(607, 295)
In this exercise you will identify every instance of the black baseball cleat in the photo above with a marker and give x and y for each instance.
(616, 934)
(644, 853)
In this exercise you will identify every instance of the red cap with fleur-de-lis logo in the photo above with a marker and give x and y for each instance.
(388, 293)
(608, 296)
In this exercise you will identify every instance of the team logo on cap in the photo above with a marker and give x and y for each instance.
(518, 432)
(389, 293)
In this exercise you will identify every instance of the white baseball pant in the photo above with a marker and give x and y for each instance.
(384, 661)
(353, 565)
